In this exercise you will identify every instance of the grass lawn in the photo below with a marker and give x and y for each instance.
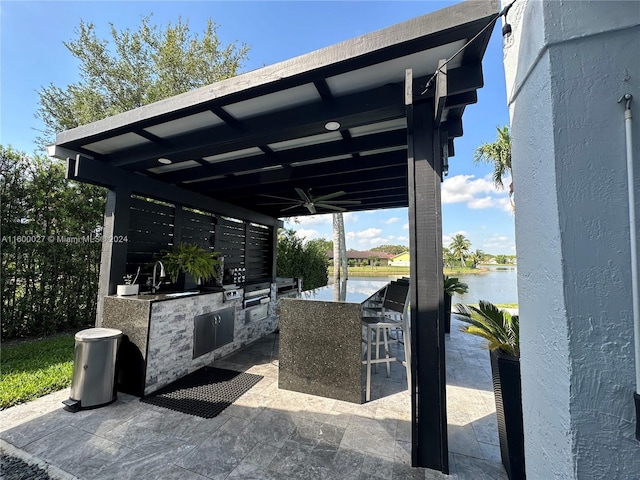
(32, 369)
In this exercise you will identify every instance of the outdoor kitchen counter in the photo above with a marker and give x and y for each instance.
(158, 344)
(321, 340)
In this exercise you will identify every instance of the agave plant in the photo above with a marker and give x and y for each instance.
(498, 327)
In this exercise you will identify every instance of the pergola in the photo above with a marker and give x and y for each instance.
(365, 119)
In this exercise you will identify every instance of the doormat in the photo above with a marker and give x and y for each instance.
(204, 393)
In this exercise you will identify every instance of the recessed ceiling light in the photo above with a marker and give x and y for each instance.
(164, 161)
(332, 126)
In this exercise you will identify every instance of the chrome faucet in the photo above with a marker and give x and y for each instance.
(155, 286)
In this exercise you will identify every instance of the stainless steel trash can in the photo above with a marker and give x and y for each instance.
(94, 369)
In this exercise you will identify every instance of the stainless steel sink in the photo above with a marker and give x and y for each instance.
(180, 294)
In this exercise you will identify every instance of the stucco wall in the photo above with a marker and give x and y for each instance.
(566, 66)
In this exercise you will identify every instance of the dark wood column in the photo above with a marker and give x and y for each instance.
(114, 251)
(428, 382)
(273, 231)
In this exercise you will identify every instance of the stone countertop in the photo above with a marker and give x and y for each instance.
(159, 297)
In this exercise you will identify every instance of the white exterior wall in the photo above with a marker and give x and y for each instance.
(566, 67)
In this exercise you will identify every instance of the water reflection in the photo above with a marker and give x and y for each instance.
(497, 284)
(356, 289)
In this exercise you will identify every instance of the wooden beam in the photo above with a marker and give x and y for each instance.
(378, 104)
(304, 173)
(375, 105)
(440, 94)
(428, 380)
(113, 259)
(457, 22)
(91, 171)
(302, 154)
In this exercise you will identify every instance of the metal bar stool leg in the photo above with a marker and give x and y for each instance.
(385, 335)
(368, 387)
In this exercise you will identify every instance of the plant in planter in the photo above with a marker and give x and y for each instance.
(501, 330)
(129, 287)
(188, 263)
(451, 285)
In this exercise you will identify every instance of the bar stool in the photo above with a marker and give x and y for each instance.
(393, 317)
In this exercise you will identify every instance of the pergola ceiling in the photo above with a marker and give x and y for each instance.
(252, 140)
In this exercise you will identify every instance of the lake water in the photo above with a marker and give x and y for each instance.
(496, 285)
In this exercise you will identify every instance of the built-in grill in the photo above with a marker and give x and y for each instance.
(256, 294)
(288, 287)
(256, 301)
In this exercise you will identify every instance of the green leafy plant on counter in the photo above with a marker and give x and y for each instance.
(192, 259)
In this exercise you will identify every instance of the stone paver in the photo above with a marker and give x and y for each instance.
(268, 433)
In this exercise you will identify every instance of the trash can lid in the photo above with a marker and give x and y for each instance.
(96, 334)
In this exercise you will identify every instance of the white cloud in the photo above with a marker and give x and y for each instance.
(477, 193)
(310, 220)
(499, 244)
(480, 203)
(365, 234)
(405, 226)
(448, 238)
(390, 221)
(371, 237)
(308, 234)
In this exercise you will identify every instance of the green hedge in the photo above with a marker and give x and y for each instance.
(51, 246)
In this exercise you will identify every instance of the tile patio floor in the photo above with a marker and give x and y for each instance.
(268, 433)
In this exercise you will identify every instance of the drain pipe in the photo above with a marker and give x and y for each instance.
(634, 252)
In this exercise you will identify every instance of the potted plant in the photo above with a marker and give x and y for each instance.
(129, 287)
(451, 285)
(188, 264)
(501, 330)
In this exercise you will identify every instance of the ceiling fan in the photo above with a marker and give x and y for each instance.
(312, 203)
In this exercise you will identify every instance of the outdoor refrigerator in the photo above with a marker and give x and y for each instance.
(94, 370)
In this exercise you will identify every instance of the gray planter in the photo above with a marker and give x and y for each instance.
(505, 370)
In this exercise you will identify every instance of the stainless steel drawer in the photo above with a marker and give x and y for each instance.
(256, 313)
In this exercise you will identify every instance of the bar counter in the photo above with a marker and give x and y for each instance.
(321, 340)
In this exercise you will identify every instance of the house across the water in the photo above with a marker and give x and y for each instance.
(380, 259)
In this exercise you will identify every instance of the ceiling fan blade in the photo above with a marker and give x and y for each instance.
(329, 206)
(311, 207)
(279, 198)
(294, 203)
(303, 195)
(329, 196)
(291, 207)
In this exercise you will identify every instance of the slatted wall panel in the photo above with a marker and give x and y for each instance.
(197, 228)
(258, 252)
(151, 228)
(230, 242)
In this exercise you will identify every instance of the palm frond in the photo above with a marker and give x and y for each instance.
(499, 328)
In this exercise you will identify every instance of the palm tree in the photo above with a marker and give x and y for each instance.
(339, 249)
(498, 153)
(460, 246)
(448, 257)
(477, 257)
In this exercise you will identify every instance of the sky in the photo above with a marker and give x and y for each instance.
(32, 55)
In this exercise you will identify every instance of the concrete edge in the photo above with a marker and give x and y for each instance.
(52, 470)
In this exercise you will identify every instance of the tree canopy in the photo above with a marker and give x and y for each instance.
(135, 68)
(498, 153)
(459, 247)
(390, 249)
(297, 259)
(51, 244)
